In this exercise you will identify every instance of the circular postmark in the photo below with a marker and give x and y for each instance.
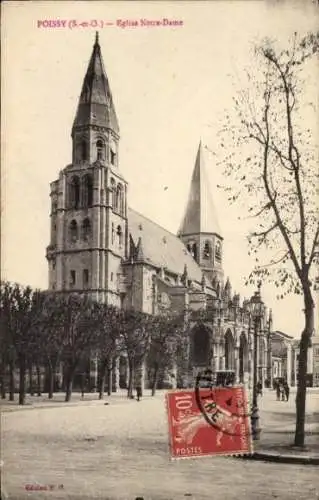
(222, 407)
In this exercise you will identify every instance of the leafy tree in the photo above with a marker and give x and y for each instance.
(78, 318)
(35, 343)
(49, 335)
(108, 343)
(166, 335)
(19, 308)
(271, 164)
(6, 338)
(135, 336)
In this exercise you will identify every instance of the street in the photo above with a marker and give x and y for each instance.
(120, 451)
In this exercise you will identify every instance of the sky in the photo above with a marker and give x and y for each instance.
(171, 87)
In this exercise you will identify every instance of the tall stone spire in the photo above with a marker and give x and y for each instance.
(200, 215)
(96, 103)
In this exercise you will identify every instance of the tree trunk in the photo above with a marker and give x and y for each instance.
(38, 380)
(302, 371)
(22, 374)
(109, 381)
(31, 390)
(155, 380)
(51, 381)
(130, 379)
(69, 383)
(3, 381)
(11, 381)
(102, 378)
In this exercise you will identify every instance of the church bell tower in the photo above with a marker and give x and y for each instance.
(200, 230)
(89, 200)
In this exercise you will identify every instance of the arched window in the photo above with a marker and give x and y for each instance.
(119, 198)
(74, 192)
(112, 156)
(200, 338)
(112, 236)
(192, 248)
(207, 250)
(113, 188)
(194, 251)
(86, 229)
(218, 250)
(100, 150)
(73, 230)
(119, 235)
(87, 190)
(84, 151)
(85, 277)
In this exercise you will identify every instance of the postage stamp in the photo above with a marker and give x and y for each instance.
(208, 421)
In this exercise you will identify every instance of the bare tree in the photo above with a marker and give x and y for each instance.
(271, 166)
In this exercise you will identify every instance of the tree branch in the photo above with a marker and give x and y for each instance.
(314, 246)
(268, 191)
(295, 162)
(275, 262)
(265, 233)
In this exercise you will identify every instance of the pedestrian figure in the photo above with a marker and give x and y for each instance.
(282, 389)
(259, 388)
(138, 392)
(278, 390)
(286, 390)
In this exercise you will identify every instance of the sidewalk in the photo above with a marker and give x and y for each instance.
(277, 421)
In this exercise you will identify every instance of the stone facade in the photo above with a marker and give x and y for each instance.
(103, 247)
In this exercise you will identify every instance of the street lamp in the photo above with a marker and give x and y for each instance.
(257, 310)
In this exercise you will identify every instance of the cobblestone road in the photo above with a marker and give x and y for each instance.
(120, 452)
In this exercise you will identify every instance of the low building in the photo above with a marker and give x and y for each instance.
(285, 358)
(282, 356)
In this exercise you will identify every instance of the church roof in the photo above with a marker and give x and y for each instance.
(162, 248)
(96, 102)
(200, 214)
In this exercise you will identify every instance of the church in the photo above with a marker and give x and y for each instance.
(100, 245)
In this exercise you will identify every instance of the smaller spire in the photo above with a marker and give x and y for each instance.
(270, 319)
(96, 38)
(236, 299)
(184, 277)
(162, 273)
(139, 250)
